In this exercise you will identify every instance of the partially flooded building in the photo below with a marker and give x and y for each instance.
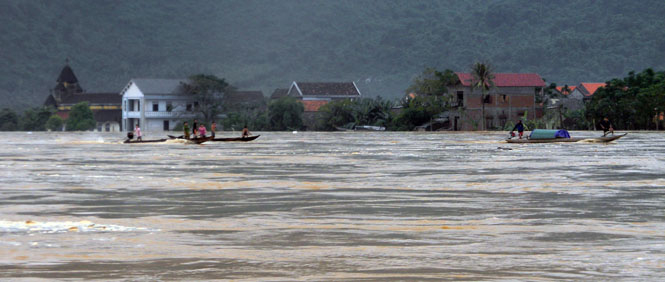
(68, 92)
(512, 97)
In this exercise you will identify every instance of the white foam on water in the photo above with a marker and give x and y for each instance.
(63, 226)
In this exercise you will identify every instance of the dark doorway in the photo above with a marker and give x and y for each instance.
(166, 125)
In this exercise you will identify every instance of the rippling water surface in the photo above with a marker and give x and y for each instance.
(332, 206)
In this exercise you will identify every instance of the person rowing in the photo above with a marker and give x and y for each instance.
(520, 129)
(606, 126)
(245, 132)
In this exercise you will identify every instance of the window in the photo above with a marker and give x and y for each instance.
(108, 127)
(488, 99)
(189, 107)
(504, 98)
(460, 98)
(169, 107)
(155, 107)
(166, 125)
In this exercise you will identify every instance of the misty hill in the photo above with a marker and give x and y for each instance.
(264, 45)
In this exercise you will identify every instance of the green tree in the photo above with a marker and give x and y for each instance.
(286, 114)
(336, 113)
(81, 118)
(54, 123)
(632, 102)
(35, 119)
(418, 111)
(208, 91)
(482, 78)
(8, 120)
(432, 82)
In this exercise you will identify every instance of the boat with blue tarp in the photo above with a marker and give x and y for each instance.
(560, 135)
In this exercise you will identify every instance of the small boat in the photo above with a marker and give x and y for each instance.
(130, 141)
(199, 140)
(241, 139)
(552, 136)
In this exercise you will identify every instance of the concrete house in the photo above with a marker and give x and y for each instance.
(513, 95)
(155, 104)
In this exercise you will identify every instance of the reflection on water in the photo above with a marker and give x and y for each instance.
(332, 206)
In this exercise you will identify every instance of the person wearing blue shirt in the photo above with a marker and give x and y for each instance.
(519, 127)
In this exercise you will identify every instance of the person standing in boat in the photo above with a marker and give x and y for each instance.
(213, 128)
(194, 127)
(519, 126)
(137, 132)
(202, 131)
(185, 128)
(606, 126)
(245, 132)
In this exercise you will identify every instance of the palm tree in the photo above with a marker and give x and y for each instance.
(482, 78)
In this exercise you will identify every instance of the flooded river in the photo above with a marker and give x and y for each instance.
(332, 206)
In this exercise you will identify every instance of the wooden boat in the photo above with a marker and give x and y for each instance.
(230, 139)
(130, 141)
(199, 140)
(241, 139)
(576, 139)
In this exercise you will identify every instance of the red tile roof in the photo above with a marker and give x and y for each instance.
(560, 88)
(591, 87)
(313, 105)
(508, 79)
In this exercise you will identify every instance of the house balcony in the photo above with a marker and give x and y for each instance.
(172, 114)
(135, 114)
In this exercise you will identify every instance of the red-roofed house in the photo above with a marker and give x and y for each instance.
(313, 95)
(513, 95)
(565, 92)
(586, 89)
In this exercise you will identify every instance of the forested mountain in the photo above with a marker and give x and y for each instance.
(263, 45)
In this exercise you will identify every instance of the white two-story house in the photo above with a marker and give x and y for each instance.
(155, 104)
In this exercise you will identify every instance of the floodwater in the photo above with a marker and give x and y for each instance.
(332, 206)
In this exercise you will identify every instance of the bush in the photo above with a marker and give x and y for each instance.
(54, 123)
(81, 118)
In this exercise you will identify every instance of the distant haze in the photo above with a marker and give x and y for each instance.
(262, 45)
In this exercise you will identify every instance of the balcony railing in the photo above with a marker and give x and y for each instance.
(131, 114)
(172, 114)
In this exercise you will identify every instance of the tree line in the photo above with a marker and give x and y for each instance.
(44, 118)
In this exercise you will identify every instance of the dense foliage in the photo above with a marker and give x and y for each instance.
(8, 120)
(381, 45)
(54, 123)
(81, 118)
(285, 114)
(208, 91)
(348, 113)
(419, 110)
(632, 102)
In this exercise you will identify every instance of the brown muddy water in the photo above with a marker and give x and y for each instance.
(332, 206)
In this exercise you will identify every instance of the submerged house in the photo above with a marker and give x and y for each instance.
(68, 92)
(313, 95)
(513, 96)
(156, 104)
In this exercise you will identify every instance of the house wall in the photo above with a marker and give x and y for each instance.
(506, 104)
